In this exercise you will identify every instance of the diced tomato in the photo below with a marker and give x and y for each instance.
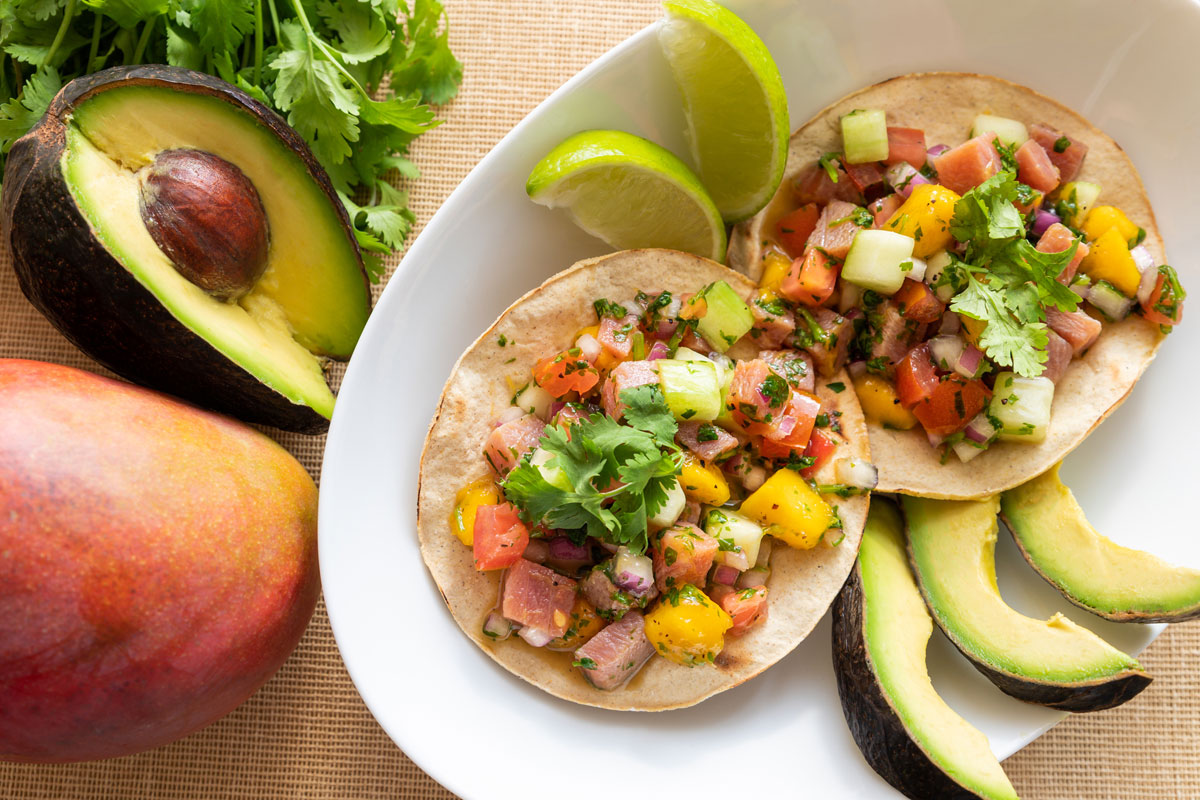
(836, 229)
(962, 168)
(1163, 307)
(821, 448)
(906, 144)
(564, 373)
(883, 208)
(1064, 152)
(747, 607)
(508, 442)
(1058, 238)
(953, 403)
(916, 377)
(794, 228)
(682, 554)
(538, 597)
(1079, 329)
(1035, 169)
(616, 335)
(500, 536)
(867, 178)
(917, 302)
(811, 279)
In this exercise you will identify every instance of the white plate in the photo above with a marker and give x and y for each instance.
(1129, 67)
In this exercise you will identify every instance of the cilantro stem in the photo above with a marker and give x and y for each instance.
(94, 50)
(325, 49)
(63, 27)
(258, 42)
(143, 40)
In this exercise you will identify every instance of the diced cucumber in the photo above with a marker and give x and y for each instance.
(876, 260)
(666, 516)
(1075, 200)
(553, 475)
(692, 388)
(742, 531)
(688, 354)
(864, 136)
(1020, 407)
(935, 265)
(1010, 132)
(727, 319)
(1109, 300)
(725, 418)
(535, 400)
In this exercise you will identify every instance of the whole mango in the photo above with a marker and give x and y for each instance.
(157, 564)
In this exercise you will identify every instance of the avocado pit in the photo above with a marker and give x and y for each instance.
(207, 217)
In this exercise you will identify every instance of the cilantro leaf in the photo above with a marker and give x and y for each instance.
(986, 219)
(220, 25)
(646, 409)
(1008, 342)
(424, 64)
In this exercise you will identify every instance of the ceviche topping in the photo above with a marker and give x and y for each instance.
(639, 478)
(957, 283)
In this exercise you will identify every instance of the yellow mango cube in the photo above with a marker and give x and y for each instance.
(881, 404)
(775, 269)
(1108, 259)
(1101, 218)
(687, 627)
(585, 622)
(467, 501)
(925, 216)
(972, 328)
(790, 509)
(704, 483)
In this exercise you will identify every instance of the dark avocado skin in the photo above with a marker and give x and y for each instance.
(1096, 695)
(876, 727)
(98, 304)
(1180, 615)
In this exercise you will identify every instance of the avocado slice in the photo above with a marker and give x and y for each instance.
(91, 253)
(903, 727)
(1052, 662)
(1093, 572)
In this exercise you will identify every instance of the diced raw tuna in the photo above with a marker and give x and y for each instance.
(616, 653)
(1058, 356)
(682, 554)
(500, 538)
(508, 442)
(606, 596)
(813, 185)
(570, 414)
(867, 179)
(1079, 329)
(894, 336)
(537, 597)
(793, 365)
(1034, 167)
(747, 607)
(1073, 151)
(830, 353)
(835, 239)
(616, 335)
(771, 329)
(906, 144)
(708, 448)
(883, 208)
(691, 512)
(745, 392)
(1056, 239)
(626, 375)
(962, 168)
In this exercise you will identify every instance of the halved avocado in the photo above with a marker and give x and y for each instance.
(1054, 662)
(183, 235)
(903, 727)
(1091, 571)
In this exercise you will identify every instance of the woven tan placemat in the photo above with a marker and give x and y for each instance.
(306, 734)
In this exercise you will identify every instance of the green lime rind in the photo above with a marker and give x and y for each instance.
(735, 102)
(629, 192)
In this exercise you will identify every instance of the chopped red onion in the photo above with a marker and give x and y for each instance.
(1081, 289)
(1147, 284)
(563, 549)
(555, 407)
(497, 627)
(966, 450)
(857, 369)
(725, 574)
(1112, 303)
(946, 350)
(755, 576)
(951, 324)
(937, 150)
(849, 298)
(508, 415)
(1142, 258)
(589, 347)
(658, 350)
(968, 362)
(935, 440)
(917, 273)
(633, 573)
(535, 637)
(764, 552)
(980, 429)
(853, 314)
(537, 550)
(1042, 220)
(736, 559)
(668, 318)
(753, 478)
(900, 176)
(856, 472)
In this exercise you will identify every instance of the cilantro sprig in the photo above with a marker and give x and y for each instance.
(1009, 283)
(319, 63)
(617, 476)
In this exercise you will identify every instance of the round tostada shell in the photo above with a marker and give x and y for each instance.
(802, 585)
(944, 105)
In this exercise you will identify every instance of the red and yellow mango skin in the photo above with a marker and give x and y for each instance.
(157, 564)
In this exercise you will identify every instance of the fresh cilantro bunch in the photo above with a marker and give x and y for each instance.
(618, 475)
(1009, 283)
(319, 63)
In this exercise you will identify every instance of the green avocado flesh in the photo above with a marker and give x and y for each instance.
(896, 630)
(953, 546)
(310, 301)
(1097, 573)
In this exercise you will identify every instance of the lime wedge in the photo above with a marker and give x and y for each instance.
(629, 192)
(735, 103)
